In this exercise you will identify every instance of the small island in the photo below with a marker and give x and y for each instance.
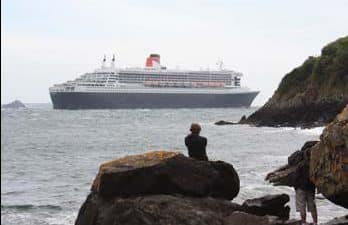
(16, 104)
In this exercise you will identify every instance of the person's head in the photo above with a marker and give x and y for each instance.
(195, 128)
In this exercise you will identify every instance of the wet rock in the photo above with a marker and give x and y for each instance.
(243, 218)
(329, 161)
(154, 210)
(338, 221)
(168, 209)
(13, 105)
(243, 120)
(223, 122)
(268, 205)
(162, 172)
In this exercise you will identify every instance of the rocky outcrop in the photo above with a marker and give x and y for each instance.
(328, 165)
(273, 205)
(329, 161)
(13, 105)
(168, 188)
(166, 209)
(154, 209)
(223, 122)
(310, 95)
(166, 173)
(286, 175)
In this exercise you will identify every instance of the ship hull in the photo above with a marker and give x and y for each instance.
(102, 100)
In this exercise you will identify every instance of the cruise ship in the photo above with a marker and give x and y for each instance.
(153, 86)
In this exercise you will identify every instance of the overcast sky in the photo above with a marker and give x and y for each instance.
(46, 42)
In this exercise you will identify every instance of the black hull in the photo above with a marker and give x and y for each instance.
(95, 100)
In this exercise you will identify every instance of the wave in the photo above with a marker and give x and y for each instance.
(27, 207)
(316, 131)
(312, 131)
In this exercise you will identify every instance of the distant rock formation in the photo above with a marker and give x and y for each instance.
(328, 168)
(310, 95)
(168, 188)
(223, 122)
(13, 105)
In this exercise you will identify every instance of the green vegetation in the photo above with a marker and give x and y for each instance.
(326, 75)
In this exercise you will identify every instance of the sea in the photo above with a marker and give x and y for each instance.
(49, 157)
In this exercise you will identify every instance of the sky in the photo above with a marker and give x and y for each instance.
(46, 42)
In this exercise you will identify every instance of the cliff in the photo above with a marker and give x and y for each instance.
(311, 94)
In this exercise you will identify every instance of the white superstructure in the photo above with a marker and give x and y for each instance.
(154, 78)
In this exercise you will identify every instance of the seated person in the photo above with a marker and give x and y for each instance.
(196, 144)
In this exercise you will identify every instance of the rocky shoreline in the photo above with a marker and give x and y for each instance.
(164, 187)
(328, 162)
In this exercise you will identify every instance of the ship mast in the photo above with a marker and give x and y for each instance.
(103, 62)
(113, 62)
(220, 63)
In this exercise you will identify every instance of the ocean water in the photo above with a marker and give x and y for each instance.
(50, 157)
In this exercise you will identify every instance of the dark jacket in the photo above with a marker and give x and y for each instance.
(196, 146)
(302, 180)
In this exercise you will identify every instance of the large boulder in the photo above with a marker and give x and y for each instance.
(168, 209)
(162, 172)
(154, 210)
(329, 161)
(273, 205)
(168, 188)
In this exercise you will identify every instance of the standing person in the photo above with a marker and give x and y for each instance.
(305, 191)
(196, 144)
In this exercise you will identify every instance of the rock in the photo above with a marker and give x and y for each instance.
(154, 210)
(14, 105)
(168, 209)
(311, 94)
(329, 161)
(162, 172)
(168, 188)
(268, 205)
(223, 122)
(285, 175)
(338, 221)
(242, 218)
(243, 120)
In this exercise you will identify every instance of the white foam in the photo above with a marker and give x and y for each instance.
(311, 131)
